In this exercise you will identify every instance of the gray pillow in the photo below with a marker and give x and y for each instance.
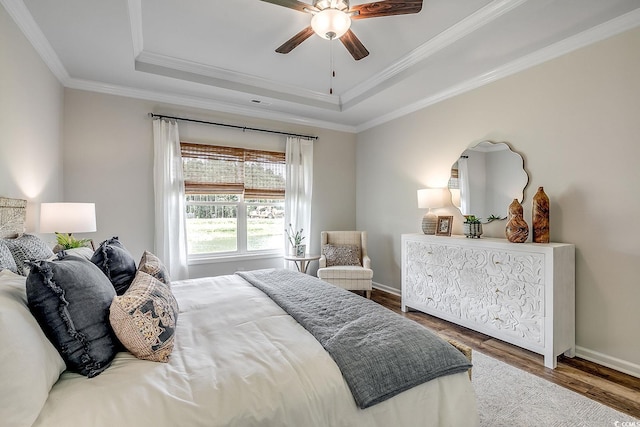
(6, 259)
(341, 254)
(70, 299)
(117, 263)
(27, 248)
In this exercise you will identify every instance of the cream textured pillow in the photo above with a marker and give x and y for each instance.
(151, 264)
(144, 318)
(342, 255)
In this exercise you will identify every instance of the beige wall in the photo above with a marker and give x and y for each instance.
(576, 121)
(108, 157)
(30, 123)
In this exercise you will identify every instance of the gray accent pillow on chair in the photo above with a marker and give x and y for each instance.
(70, 299)
(341, 254)
(116, 263)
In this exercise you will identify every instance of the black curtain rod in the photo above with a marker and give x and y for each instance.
(244, 128)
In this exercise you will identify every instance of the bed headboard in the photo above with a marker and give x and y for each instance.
(13, 214)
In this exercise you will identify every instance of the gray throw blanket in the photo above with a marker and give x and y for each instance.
(379, 352)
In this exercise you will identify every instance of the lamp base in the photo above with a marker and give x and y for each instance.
(429, 222)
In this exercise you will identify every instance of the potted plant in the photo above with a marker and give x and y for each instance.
(67, 241)
(472, 227)
(295, 239)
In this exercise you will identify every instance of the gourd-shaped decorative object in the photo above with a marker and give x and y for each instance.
(540, 217)
(517, 229)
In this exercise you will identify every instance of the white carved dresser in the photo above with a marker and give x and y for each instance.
(521, 293)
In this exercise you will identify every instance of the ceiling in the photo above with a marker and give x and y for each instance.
(220, 54)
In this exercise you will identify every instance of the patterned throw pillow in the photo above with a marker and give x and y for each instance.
(27, 248)
(144, 318)
(341, 255)
(6, 259)
(116, 262)
(151, 264)
(70, 298)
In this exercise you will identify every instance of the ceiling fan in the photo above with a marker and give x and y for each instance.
(332, 20)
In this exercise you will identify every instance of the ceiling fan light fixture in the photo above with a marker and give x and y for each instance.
(331, 23)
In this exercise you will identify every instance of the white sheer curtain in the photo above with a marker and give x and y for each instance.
(463, 180)
(299, 155)
(168, 180)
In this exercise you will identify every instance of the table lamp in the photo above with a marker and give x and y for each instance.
(63, 219)
(429, 198)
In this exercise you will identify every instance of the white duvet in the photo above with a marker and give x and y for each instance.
(240, 360)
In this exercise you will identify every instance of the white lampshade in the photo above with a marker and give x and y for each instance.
(67, 217)
(430, 198)
(330, 23)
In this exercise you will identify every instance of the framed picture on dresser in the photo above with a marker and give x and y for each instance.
(443, 226)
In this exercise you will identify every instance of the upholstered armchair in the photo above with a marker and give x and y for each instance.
(344, 261)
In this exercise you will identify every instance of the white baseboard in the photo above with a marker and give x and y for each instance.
(386, 288)
(609, 361)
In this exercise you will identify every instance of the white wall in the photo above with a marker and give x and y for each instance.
(576, 121)
(30, 123)
(108, 157)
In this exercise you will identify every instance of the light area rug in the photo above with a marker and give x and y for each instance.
(508, 396)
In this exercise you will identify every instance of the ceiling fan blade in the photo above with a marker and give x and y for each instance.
(291, 4)
(385, 8)
(354, 45)
(294, 41)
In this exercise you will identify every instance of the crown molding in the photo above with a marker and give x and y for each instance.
(456, 32)
(135, 21)
(203, 103)
(218, 77)
(598, 33)
(23, 19)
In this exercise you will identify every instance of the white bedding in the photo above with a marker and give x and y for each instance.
(240, 360)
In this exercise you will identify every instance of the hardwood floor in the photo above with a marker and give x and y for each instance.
(610, 387)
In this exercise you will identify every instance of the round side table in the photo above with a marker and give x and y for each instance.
(302, 262)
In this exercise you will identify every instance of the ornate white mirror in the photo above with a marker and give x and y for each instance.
(485, 179)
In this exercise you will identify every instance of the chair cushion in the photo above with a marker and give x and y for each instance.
(341, 254)
(346, 272)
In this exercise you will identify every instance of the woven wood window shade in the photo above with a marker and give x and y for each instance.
(210, 169)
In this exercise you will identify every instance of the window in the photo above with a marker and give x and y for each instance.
(234, 200)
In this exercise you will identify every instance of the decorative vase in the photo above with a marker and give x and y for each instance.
(517, 229)
(472, 230)
(299, 250)
(540, 217)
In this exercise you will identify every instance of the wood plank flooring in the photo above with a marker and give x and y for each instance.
(605, 385)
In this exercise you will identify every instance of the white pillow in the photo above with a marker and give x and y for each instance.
(29, 363)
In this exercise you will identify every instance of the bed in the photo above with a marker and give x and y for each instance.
(239, 359)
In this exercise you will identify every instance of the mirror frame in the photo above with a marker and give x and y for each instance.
(523, 177)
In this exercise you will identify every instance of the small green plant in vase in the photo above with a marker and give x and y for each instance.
(67, 241)
(295, 239)
(472, 226)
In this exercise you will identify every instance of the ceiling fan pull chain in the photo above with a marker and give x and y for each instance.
(333, 72)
